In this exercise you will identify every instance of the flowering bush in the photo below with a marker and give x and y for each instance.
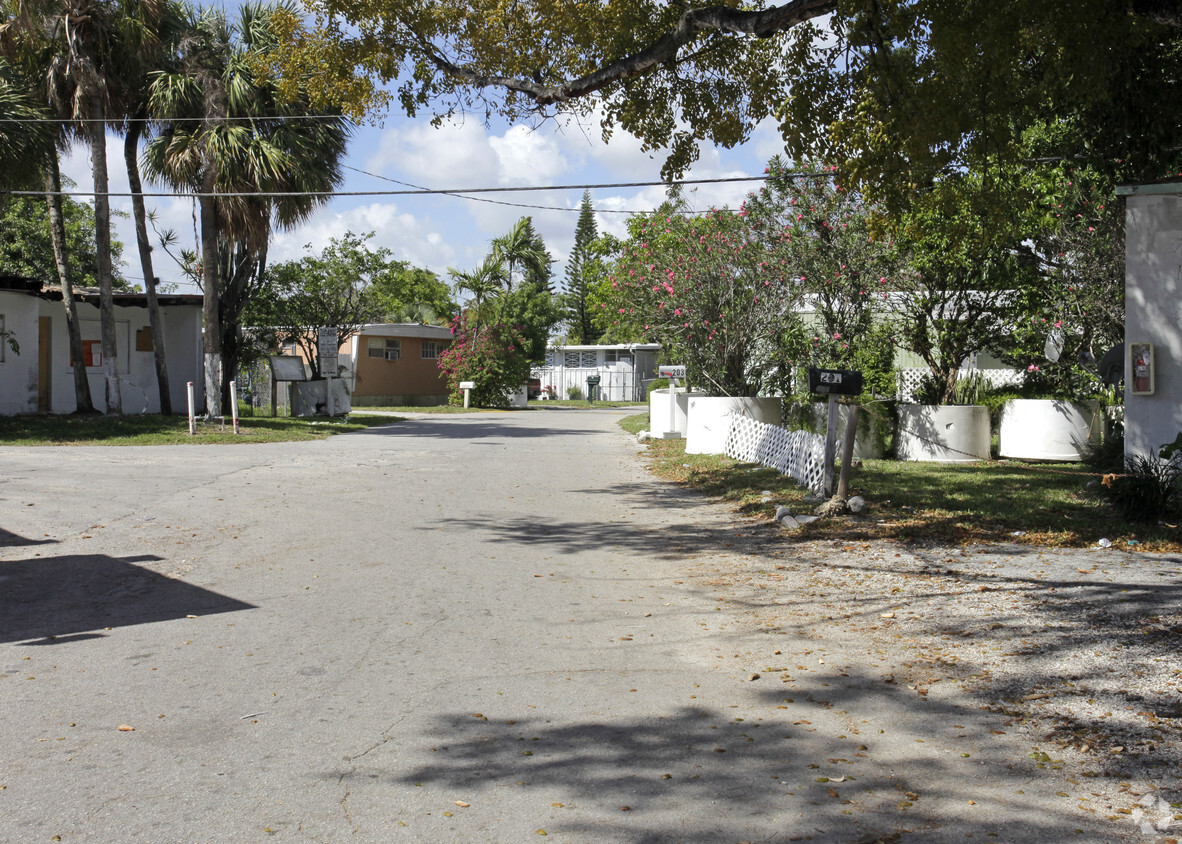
(1076, 310)
(711, 294)
(821, 230)
(492, 356)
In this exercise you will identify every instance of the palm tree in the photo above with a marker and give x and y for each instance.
(484, 281)
(86, 37)
(34, 52)
(136, 66)
(522, 247)
(236, 140)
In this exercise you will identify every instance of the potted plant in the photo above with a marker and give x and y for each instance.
(1065, 324)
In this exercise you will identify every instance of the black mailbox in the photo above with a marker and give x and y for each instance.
(835, 382)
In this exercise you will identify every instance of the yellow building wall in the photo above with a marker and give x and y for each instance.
(412, 379)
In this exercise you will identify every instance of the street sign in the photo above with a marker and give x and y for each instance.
(326, 339)
(835, 382)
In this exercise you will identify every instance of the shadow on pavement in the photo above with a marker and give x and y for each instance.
(467, 428)
(73, 597)
(703, 775)
(8, 539)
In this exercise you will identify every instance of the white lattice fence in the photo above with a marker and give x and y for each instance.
(798, 454)
(909, 379)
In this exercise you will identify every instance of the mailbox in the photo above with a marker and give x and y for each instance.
(835, 382)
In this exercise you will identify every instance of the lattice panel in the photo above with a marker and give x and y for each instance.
(908, 379)
(798, 454)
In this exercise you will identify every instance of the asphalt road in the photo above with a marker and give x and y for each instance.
(456, 628)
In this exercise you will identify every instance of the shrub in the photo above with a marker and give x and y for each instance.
(492, 356)
(1148, 489)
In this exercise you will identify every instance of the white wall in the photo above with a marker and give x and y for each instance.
(18, 372)
(137, 370)
(1153, 312)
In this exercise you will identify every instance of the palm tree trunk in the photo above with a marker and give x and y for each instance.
(57, 231)
(130, 151)
(102, 246)
(212, 344)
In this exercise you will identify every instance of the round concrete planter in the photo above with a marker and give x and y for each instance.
(945, 433)
(1048, 429)
(658, 413)
(869, 439)
(709, 419)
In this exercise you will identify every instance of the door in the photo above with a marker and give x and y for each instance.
(44, 369)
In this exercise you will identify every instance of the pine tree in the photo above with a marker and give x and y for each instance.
(581, 329)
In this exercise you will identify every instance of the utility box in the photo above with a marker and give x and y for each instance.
(592, 387)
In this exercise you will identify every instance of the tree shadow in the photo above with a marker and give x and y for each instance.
(68, 598)
(700, 774)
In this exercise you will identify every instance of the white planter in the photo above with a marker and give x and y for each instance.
(945, 433)
(709, 420)
(1048, 429)
(658, 413)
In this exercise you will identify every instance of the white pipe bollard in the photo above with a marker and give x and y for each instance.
(192, 413)
(234, 403)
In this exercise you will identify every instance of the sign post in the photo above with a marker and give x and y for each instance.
(467, 387)
(673, 372)
(327, 342)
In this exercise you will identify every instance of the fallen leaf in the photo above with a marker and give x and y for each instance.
(124, 728)
(461, 804)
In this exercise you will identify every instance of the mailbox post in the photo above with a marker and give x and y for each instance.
(835, 383)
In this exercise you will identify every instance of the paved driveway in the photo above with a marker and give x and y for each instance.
(457, 628)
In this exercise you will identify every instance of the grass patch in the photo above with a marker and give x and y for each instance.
(151, 429)
(998, 501)
(635, 423)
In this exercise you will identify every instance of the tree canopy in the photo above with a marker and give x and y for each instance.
(26, 247)
(893, 91)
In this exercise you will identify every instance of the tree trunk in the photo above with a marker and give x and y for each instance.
(57, 230)
(212, 338)
(130, 150)
(102, 245)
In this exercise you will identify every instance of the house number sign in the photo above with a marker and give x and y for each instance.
(835, 382)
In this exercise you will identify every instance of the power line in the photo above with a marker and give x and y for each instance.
(411, 192)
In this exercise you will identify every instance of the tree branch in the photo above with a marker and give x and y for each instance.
(692, 23)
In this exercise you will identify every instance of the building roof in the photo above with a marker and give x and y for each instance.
(90, 295)
(405, 329)
(641, 347)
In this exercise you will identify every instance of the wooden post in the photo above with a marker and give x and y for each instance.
(830, 446)
(847, 452)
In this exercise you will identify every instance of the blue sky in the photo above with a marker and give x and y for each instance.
(438, 232)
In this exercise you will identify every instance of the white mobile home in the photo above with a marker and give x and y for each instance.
(38, 376)
(624, 370)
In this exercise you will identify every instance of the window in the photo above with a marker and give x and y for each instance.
(389, 348)
(619, 356)
(587, 360)
(570, 360)
(432, 349)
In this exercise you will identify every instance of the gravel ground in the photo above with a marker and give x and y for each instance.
(1070, 656)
